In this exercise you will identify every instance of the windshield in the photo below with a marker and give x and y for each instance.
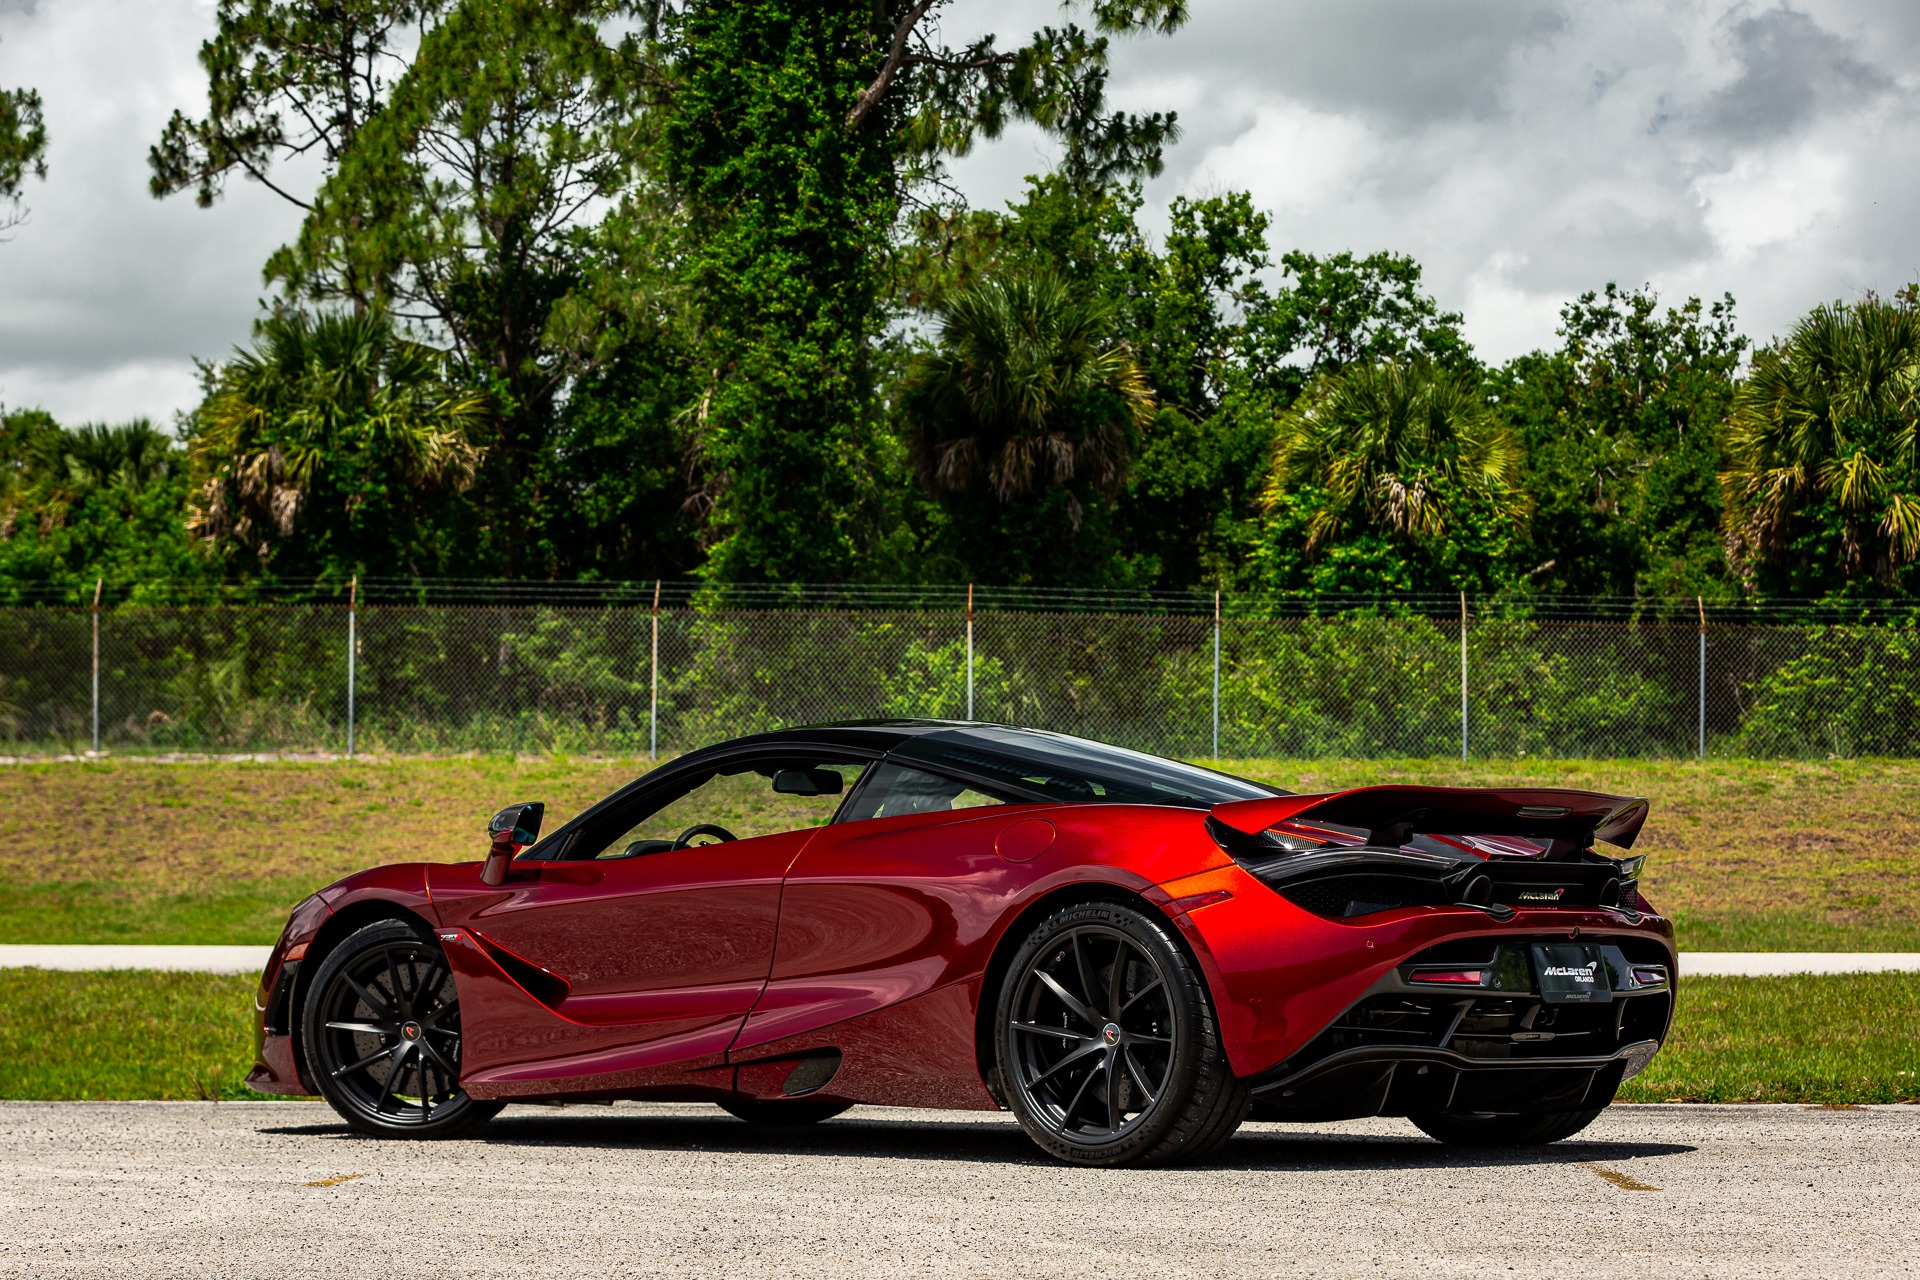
(1053, 766)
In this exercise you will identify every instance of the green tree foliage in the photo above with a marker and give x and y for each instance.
(1623, 430)
(793, 133)
(1343, 310)
(788, 215)
(1197, 303)
(335, 428)
(619, 494)
(97, 501)
(467, 148)
(1224, 352)
(23, 148)
(1823, 477)
(1408, 456)
(1027, 408)
(700, 264)
(1230, 355)
(461, 206)
(284, 81)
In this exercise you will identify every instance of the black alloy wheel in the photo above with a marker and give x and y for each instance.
(1107, 1045)
(381, 1033)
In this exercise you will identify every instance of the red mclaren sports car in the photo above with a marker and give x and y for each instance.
(1129, 953)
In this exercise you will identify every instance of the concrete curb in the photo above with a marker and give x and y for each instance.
(174, 958)
(1770, 964)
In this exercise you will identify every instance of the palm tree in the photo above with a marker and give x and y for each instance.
(1025, 391)
(1398, 445)
(68, 465)
(55, 469)
(318, 397)
(1825, 425)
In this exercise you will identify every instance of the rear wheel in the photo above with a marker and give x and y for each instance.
(1496, 1129)
(381, 1030)
(782, 1114)
(1107, 1044)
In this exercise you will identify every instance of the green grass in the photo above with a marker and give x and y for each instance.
(1745, 855)
(131, 1034)
(1829, 1039)
(1789, 930)
(245, 912)
(1839, 1038)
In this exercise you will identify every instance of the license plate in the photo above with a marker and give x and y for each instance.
(1571, 974)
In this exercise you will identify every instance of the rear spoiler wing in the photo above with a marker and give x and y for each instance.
(1392, 815)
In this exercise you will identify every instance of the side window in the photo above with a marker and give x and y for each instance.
(761, 800)
(895, 789)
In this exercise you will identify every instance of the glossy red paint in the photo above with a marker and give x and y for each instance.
(675, 939)
(514, 1046)
(1281, 973)
(917, 1053)
(714, 971)
(1024, 841)
(275, 1067)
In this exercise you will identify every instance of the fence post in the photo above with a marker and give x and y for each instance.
(653, 671)
(353, 652)
(969, 651)
(1463, 675)
(1216, 675)
(1703, 675)
(97, 584)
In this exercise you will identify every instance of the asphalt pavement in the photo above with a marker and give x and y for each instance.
(132, 1190)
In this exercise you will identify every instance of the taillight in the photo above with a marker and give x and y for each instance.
(1450, 977)
(1649, 975)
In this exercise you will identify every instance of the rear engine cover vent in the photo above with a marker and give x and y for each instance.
(1343, 897)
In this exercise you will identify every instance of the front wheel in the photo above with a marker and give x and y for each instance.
(1107, 1044)
(381, 1030)
(1496, 1129)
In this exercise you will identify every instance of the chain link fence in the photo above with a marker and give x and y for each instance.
(578, 678)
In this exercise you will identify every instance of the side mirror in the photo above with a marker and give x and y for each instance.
(807, 782)
(512, 829)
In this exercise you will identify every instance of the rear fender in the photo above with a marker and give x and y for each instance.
(1280, 973)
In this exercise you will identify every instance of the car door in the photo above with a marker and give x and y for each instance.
(640, 936)
(887, 904)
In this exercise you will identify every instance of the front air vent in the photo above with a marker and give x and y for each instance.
(548, 988)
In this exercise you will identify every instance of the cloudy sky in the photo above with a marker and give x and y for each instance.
(1523, 150)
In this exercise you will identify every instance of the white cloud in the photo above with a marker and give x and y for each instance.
(129, 389)
(1528, 152)
(1523, 151)
(106, 294)
(1768, 199)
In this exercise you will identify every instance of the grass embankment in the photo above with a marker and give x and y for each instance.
(216, 852)
(1846, 1039)
(1835, 1038)
(1746, 855)
(65, 1036)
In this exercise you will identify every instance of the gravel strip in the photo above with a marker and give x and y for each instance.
(240, 1189)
